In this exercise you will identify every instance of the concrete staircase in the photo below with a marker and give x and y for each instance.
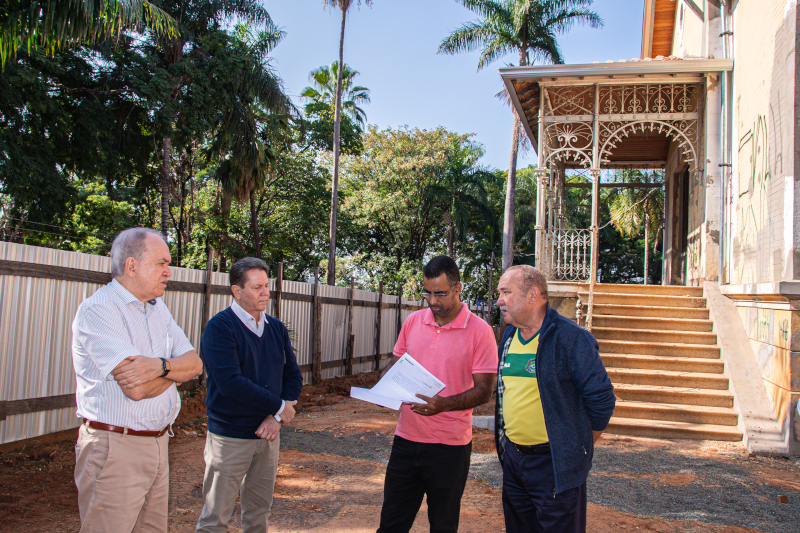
(661, 353)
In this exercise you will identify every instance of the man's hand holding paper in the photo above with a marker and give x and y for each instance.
(402, 383)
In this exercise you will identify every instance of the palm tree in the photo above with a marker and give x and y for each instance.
(633, 208)
(527, 28)
(56, 25)
(343, 6)
(464, 187)
(258, 117)
(195, 19)
(322, 94)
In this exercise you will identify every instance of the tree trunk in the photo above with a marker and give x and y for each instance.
(226, 214)
(451, 237)
(254, 224)
(646, 242)
(508, 217)
(337, 123)
(165, 152)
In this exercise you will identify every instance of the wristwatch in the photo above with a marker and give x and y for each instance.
(166, 366)
(277, 417)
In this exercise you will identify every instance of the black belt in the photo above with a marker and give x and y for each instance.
(532, 449)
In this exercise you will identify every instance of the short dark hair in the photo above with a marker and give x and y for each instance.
(442, 264)
(240, 268)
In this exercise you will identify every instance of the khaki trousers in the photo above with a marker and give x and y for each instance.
(248, 466)
(122, 480)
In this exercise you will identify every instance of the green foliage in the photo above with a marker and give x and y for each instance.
(55, 26)
(524, 27)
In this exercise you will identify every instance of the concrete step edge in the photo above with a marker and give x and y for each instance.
(659, 331)
(683, 427)
(663, 344)
(704, 321)
(667, 389)
(678, 407)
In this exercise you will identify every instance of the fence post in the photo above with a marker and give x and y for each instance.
(207, 300)
(348, 356)
(278, 291)
(399, 314)
(316, 343)
(378, 328)
(491, 292)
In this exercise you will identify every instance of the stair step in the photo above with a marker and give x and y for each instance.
(675, 430)
(662, 290)
(644, 299)
(693, 414)
(647, 311)
(651, 323)
(655, 362)
(673, 395)
(704, 351)
(668, 378)
(654, 335)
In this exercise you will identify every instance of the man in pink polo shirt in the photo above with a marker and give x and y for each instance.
(433, 441)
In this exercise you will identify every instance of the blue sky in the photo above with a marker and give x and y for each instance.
(393, 45)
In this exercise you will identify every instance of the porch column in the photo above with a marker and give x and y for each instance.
(541, 198)
(710, 235)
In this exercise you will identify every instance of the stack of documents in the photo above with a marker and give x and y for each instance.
(400, 385)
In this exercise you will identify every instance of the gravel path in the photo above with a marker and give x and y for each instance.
(653, 482)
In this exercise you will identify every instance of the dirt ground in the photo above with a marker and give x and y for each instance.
(335, 491)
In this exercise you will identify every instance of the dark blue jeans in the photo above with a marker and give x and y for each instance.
(416, 469)
(530, 503)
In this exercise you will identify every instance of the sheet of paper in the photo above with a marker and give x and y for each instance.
(401, 383)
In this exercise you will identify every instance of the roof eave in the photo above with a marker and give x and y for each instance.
(630, 68)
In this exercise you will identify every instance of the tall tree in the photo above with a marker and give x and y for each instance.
(53, 26)
(196, 20)
(635, 208)
(343, 6)
(255, 119)
(529, 29)
(322, 92)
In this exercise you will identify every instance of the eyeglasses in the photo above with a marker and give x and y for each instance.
(438, 295)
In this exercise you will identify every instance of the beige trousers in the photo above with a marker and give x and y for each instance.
(248, 466)
(122, 480)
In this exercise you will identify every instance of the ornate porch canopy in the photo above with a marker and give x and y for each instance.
(627, 114)
(579, 114)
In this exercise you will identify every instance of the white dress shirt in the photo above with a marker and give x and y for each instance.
(256, 327)
(109, 326)
(248, 320)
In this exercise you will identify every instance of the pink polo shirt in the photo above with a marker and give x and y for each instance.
(452, 353)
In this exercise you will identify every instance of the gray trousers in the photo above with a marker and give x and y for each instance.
(248, 466)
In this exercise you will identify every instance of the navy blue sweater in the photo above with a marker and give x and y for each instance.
(248, 375)
(577, 396)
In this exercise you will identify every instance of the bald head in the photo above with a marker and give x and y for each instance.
(529, 277)
(523, 296)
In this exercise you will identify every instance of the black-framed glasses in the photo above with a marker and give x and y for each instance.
(439, 295)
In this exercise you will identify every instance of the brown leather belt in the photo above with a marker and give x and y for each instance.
(125, 431)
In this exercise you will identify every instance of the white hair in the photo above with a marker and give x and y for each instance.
(130, 243)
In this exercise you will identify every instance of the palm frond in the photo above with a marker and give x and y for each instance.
(54, 26)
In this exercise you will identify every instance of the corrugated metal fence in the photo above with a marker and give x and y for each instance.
(41, 289)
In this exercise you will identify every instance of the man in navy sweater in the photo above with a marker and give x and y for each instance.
(253, 384)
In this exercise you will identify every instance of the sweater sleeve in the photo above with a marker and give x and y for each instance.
(590, 376)
(292, 376)
(222, 363)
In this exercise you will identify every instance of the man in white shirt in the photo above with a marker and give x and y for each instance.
(128, 354)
